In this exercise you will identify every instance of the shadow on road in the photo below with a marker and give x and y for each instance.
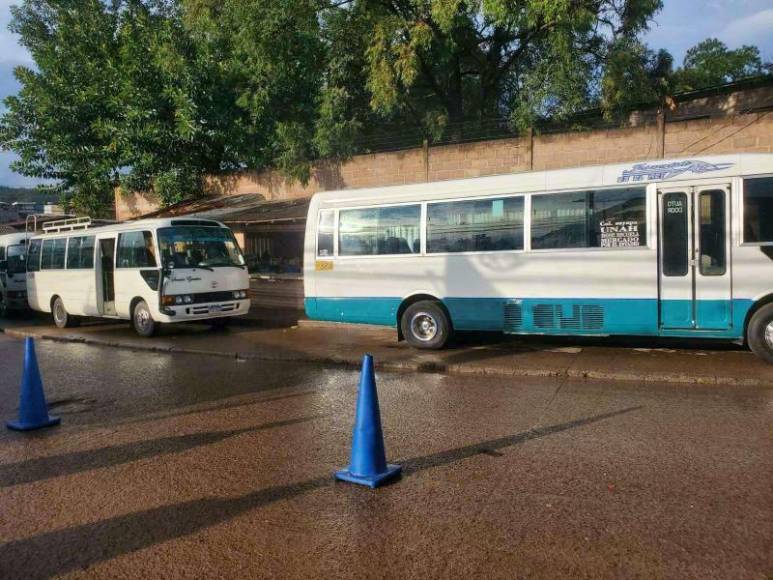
(80, 461)
(61, 551)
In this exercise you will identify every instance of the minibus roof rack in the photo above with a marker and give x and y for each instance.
(67, 225)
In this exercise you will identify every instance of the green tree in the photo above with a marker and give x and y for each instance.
(711, 63)
(634, 77)
(157, 94)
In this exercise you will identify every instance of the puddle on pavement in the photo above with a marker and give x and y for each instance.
(75, 404)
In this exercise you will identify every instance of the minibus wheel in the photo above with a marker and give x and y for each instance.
(425, 324)
(759, 333)
(62, 319)
(142, 320)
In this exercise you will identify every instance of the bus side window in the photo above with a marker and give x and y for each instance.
(33, 256)
(325, 234)
(758, 210)
(135, 250)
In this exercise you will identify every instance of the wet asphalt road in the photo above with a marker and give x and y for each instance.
(188, 466)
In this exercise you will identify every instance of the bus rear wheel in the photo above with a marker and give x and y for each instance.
(62, 319)
(426, 325)
(759, 333)
(142, 320)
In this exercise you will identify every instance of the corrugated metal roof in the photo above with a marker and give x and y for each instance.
(244, 208)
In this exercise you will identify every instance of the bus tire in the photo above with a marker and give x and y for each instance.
(426, 325)
(142, 320)
(759, 333)
(62, 319)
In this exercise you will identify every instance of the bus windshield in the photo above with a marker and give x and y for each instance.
(16, 263)
(198, 247)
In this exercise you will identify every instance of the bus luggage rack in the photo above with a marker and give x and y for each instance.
(66, 225)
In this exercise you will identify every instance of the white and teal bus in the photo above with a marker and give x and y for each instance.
(678, 248)
(13, 273)
(151, 272)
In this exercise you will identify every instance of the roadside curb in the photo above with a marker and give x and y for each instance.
(430, 367)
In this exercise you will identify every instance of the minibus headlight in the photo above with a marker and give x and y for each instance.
(178, 299)
(187, 299)
(238, 294)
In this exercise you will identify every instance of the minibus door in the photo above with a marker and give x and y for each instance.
(694, 249)
(107, 269)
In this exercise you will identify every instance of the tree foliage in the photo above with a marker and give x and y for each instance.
(157, 94)
(711, 63)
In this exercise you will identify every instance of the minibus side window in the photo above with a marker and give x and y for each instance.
(475, 225)
(136, 250)
(758, 210)
(33, 256)
(325, 233)
(80, 253)
(53, 254)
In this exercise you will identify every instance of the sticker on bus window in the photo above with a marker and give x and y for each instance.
(323, 265)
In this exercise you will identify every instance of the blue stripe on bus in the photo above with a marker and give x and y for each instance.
(620, 315)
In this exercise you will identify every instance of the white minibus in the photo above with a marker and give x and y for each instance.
(679, 247)
(13, 273)
(147, 271)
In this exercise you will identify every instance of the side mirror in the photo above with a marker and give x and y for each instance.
(3, 265)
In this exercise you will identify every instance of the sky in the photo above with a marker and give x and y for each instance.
(680, 25)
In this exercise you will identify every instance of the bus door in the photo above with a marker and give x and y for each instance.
(107, 270)
(694, 250)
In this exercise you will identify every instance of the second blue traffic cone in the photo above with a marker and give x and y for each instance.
(368, 464)
(33, 411)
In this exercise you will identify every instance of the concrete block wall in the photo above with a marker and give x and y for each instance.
(739, 133)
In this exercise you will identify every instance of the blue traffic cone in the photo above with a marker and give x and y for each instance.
(33, 411)
(368, 464)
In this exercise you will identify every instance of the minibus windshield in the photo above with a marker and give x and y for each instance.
(16, 263)
(198, 247)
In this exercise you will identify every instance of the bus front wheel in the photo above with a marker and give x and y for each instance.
(759, 333)
(142, 320)
(62, 319)
(425, 324)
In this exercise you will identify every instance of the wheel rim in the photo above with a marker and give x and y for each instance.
(142, 317)
(60, 314)
(769, 334)
(424, 326)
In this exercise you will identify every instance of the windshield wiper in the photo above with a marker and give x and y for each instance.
(205, 267)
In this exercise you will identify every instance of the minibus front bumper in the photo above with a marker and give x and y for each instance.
(188, 312)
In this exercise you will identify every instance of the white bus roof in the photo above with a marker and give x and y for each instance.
(11, 239)
(618, 174)
(152, 224)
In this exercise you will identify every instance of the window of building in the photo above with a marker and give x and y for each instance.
(136, 250)
(475, 225)
(758, 210)
(33, 256)
(53, 254)
(80, 253)
(379, 230)
(610, 218)
(325, 233)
